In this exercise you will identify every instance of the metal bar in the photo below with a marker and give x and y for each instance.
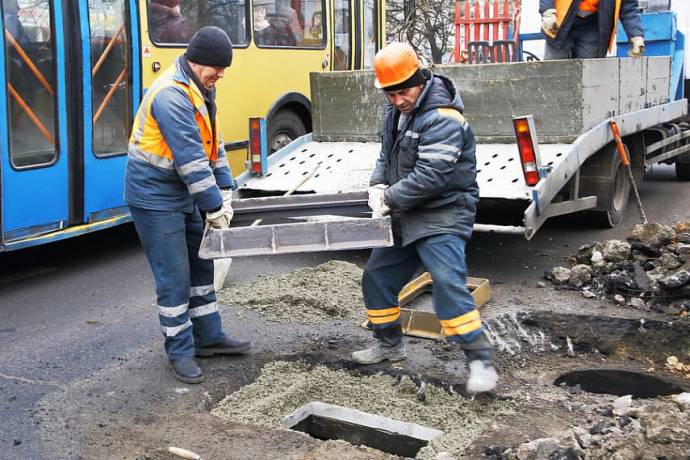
(29, 62)
(350, 204)
(292, 238)
(31, 114)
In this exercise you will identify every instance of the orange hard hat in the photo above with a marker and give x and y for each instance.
(394, 64)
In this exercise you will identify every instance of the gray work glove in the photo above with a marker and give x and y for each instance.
(227, 203)
(549, 22)
(636, 47)
(218, 219)
(378, 206)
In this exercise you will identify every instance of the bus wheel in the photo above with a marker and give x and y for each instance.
(604, 176)
(283, 128)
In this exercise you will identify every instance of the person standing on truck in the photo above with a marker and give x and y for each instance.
(176, 167)
(425, 178)
(586, 29)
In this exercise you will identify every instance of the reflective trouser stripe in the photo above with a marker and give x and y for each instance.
(469, 322)
(173, 331)
(203, 310)
(383, 316)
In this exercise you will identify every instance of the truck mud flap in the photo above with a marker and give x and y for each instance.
(330, 235)
(426, 324)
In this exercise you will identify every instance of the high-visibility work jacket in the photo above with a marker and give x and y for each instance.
(608, 14)
(176, 158)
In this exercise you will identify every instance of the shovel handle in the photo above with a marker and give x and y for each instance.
(619, 142)
(294, 188)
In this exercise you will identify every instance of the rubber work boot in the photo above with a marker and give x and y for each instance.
(227, 346)
(186, 370)
(480, 358)
(379, 353)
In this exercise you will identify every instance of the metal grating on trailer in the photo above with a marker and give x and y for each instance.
(347, 166)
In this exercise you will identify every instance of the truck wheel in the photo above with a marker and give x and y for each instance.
(283, 128)
(683, 171)
(604, 176)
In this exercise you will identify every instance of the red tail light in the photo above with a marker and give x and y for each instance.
(528, 148)
(257, 145)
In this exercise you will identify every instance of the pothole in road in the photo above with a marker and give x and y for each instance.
(618, 382)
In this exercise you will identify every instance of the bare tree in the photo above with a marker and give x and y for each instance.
(425, 24)
(428, 25)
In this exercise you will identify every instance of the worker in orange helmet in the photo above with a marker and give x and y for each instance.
(586, 29)
(425, 178)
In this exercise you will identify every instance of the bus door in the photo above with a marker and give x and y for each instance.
(34, 169)
(356, 36)
(57, 83)
(111, 97)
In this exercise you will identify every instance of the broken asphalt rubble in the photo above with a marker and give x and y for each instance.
(650, 271)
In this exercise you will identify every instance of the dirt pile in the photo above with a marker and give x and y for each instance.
(649, 271)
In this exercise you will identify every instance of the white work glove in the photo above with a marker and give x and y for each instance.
(227, 203)
(549, 22)
(378, 206)
(218, 219)
(636, 47)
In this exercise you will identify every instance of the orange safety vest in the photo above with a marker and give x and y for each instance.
(563, 6)
(148, 137)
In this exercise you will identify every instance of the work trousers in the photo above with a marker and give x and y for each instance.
(582, 41)
(187, 309)
(389, 269)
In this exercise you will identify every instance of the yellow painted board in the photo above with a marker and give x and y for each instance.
(425, 324)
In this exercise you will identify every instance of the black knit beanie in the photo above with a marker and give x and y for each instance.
(415, 79)
(210, 46)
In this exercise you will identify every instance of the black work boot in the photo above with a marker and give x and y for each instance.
(186, 370)
(480, 362)
(227, 346)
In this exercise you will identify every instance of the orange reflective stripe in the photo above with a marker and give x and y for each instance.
(615, 24)
(383, 316)
(462, 324)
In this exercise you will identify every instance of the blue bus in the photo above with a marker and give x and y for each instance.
(74, 72)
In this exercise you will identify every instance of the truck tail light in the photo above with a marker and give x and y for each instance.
(528, 148)
(258, 157)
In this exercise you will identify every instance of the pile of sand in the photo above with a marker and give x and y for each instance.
(306, 296)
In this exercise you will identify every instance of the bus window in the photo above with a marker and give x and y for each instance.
(173, 22)
(279, 23)
(110, 91)
(30, 61)
(341, 32)
(369, 33)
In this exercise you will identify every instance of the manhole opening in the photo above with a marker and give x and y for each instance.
(329, 422)
(619, 382)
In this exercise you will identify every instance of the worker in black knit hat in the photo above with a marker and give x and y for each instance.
(177, 181)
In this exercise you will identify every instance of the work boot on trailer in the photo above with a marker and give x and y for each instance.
(480, 359)
(379, 353)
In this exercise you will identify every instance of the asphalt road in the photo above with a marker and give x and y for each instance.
(71, 308)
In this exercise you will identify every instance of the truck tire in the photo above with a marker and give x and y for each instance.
(683, 171)
(283, 128)
(603, 175)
